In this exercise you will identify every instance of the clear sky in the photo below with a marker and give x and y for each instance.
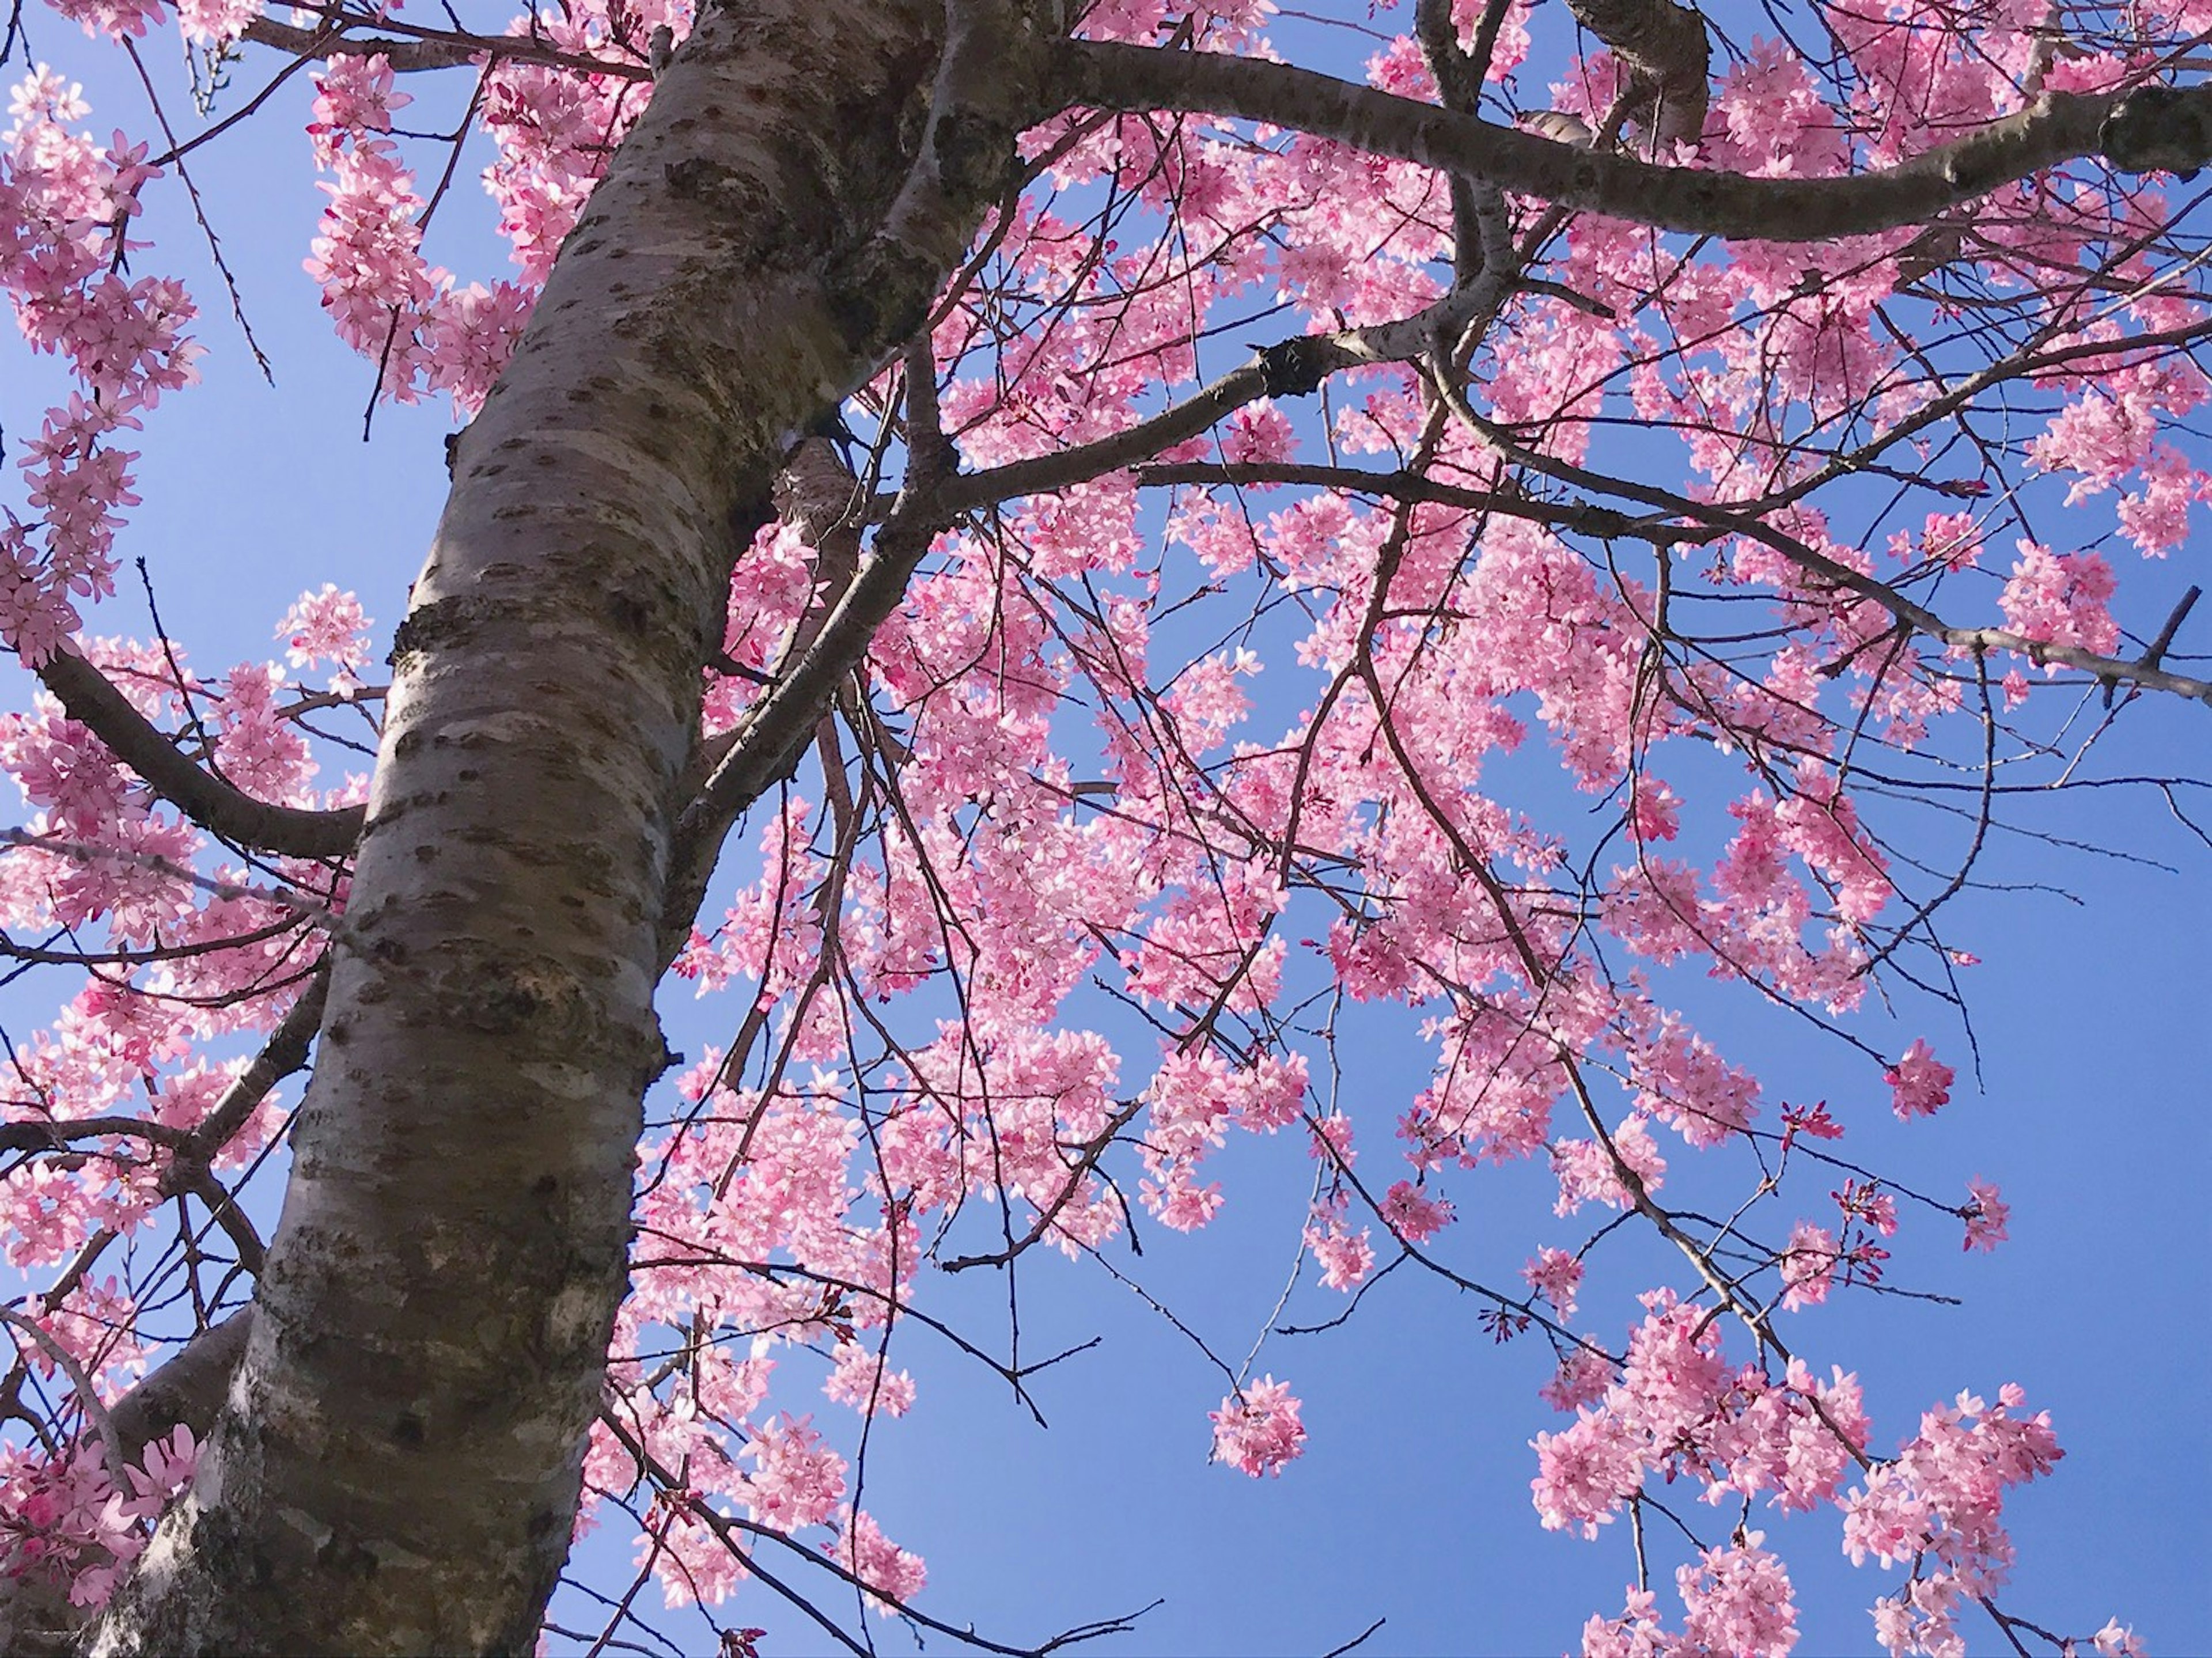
(1411, 1502)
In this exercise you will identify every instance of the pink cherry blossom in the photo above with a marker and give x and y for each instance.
(1554, 1275)
(1258, 1430)
(1986, 1215)
(1920, 1084)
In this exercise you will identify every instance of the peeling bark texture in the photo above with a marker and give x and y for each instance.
(2059, 126)
(398, 1466)
(1668, 59)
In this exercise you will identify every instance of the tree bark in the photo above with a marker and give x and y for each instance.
(398, 1466)
(1667, 56)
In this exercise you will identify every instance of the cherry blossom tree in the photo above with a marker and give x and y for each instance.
(906, 434)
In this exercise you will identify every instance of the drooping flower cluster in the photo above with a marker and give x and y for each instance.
(1679, 1409)
(404, 314)
(66, 204)
(1258, 1429)
(1935, 1506)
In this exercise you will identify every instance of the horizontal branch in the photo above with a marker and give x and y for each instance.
(89, 697)
(41, 955)
(412, 48)
(729, 1529)
(38, 1134)
(2043, 652)
(1402, 485)
(2155, 126)
(307, 910)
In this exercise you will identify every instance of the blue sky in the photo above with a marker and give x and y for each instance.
(1412, 1502)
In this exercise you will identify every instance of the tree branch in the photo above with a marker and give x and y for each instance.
(420, 48)
(281, 1056)
(2059, 126)
(766, 748)
(1668, 56)
(192, 1151)
(188, 1389)
(306, 911)
(816, 495)
(89, 697)
(1401, 484)
(985, 92)
(1289, 369)
(1908, 613)
(36, 1617)
(88, 1396)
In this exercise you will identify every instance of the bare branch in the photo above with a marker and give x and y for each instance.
(417, 48)
(2155, 653)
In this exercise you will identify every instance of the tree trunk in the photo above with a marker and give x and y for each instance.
(398, 1466)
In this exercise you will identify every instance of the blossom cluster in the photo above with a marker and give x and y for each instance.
(68, 1520)
(66, 203)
